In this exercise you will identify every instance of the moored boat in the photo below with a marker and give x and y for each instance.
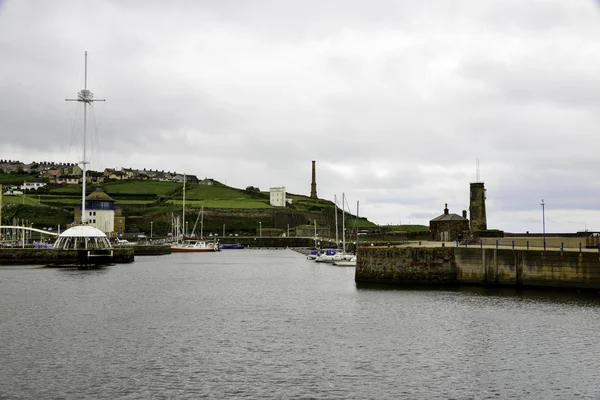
(195, 246)
(230, 246)
(346, 263)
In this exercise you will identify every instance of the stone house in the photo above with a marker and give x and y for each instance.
(449, 227)
(72, 169)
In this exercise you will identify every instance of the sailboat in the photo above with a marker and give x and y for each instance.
(192, 244)
(344, 259)
(92, 245)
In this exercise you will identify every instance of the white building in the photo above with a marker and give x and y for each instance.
(277, 196)
(99, 211)
(32, 185)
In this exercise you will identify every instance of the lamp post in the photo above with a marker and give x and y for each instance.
(260, 229)
(151, 223)
(544, 221)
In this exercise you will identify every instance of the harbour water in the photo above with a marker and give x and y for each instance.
(270, 324)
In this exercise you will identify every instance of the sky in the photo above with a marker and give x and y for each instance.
(395, 100)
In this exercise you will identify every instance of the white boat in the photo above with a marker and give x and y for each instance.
(342, 255)
(346, 263)
(313, 254)
(327, 255)
(193, 244)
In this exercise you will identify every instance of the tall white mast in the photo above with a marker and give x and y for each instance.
(343, 223)
(87, 98)
(183, 222)
(337, 240)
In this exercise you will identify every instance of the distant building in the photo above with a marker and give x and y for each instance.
(277, 198)
(72, 169)
(449, 227)
(32, 185)
(101, 213)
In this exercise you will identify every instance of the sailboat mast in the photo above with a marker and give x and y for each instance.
(343, 224)
(183, 219)
(356, 247)
(337, 241)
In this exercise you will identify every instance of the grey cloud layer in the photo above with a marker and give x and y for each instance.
(394, 99)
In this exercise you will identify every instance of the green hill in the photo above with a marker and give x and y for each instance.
(153, 203)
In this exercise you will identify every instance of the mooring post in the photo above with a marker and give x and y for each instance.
(481, 244)
(497, 244)
(528, 245)
(580, 247)
(562, 246)
(513, 244)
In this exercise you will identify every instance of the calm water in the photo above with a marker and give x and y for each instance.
(271, 324)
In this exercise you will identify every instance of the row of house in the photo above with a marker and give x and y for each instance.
(71, 173)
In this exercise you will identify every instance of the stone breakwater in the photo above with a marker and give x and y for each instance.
(55, 257)
(483, 266)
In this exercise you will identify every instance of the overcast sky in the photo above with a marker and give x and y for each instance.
(394, 99)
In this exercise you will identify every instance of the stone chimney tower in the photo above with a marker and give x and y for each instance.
(313, 185)
(477, 207)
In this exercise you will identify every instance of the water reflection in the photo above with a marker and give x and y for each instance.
(561, 296)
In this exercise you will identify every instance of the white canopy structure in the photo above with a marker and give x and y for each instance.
(82, 237)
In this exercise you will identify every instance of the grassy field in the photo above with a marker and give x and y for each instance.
(405, 228)
(217, 203)
(29, 200)
(139, 187)
(133, 202)
(67, 190)
(16, 179)
(217, 192)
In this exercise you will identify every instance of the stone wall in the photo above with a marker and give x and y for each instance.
(273, 242)
(52, 256)
(473, 265)
(406, 265)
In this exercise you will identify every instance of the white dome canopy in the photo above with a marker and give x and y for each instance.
(83, 231)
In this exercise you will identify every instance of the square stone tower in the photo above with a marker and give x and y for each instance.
(477, 207)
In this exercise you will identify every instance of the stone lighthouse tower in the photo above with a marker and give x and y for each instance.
(313, 185)
(477, 207)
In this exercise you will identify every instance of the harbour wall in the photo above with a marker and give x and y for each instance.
(269, 242)
(480, 266)
(16, 256)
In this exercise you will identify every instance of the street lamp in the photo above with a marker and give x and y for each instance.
(544, 221)
(260, 229)
(151, 222)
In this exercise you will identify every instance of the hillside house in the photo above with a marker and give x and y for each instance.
(32, 185)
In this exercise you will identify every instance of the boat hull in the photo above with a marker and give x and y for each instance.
(191, 250)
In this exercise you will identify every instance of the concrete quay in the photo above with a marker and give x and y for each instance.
(49, 257)
(431, 264)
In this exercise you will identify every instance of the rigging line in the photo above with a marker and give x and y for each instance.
(97, 136)
(95, 139)
(73, 137)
